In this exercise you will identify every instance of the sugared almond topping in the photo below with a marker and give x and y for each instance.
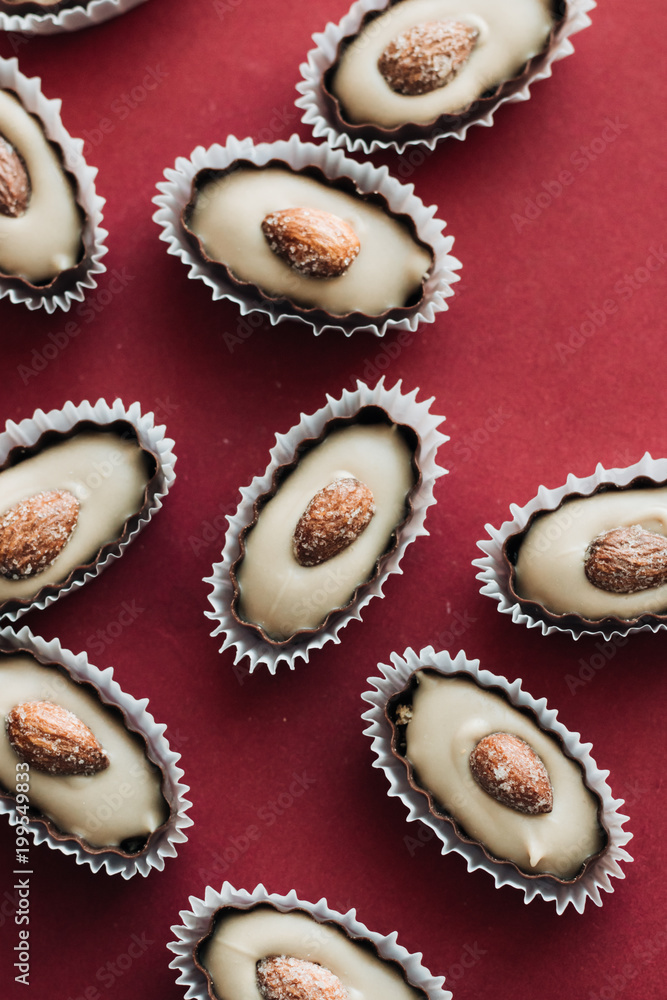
(625, 560)
(282, 977)
(314, 243)
(52, 739)
(34, 531)
(509, 770)
(427, 56)
(14, 181)
(333, 519)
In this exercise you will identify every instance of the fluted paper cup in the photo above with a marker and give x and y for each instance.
(598, 874)
(165, 841)
(196, 923)
(319, 115)
(496, 570)
(176, 192)
(71, 285)
(150, 437)
(80, 15)
(401, 408)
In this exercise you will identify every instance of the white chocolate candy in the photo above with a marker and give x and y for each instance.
(279, 594)
(46, 239)
(243, 937)
(510, 33)
(122, 802)
(105, 472)
(227, 218)
(550, 563)
(449, 717)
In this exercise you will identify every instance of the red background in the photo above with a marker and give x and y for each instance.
(522, 409)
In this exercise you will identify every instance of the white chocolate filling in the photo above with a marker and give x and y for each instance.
(243, 937)
(450, 715)
(46, 239)
(276, 592)
(510, 33)
(227, 218)
(106, 473)
(550, 564)
(123, 801)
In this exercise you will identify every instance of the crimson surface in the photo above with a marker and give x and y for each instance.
(550, 359)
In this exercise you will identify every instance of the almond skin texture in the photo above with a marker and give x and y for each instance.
(512, 773)
(34, 531)
(14, 181)
(333, 519)
(281, 977)
(314, 243)
(52, 739)
(625, 560)
(427, 56)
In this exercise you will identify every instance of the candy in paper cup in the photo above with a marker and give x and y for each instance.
(163, 820)
(598, 871)
(368, 180)
(71, 284)
(197, 923)
(32, 437)
(322, 110)
(393, 406)
(29, 18)
(647, 611)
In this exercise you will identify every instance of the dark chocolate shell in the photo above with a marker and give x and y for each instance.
(390, 700)
(362, 181)
(200, 922)
(71, 282)
(161, 829)
(379, 406)
(498, 566)
(41, 435)
(324, 112)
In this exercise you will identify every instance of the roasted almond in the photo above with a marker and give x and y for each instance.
(625, 560)
(51, 738)
(315, 243)
(427, 56)
(34, 531)
(333, 519)
(282, 977)
(14, 181)
(509, 770)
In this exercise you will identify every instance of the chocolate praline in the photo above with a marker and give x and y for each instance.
(546, 559)
(98, 455)
(43, 231)
(411, 127)
(120, 810)
(563, 857)
(265, 931)
(342, 578)
(317, 300)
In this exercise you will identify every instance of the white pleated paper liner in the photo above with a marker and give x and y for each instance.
(163, 843)
(177, 192)
(197, 920)
(402, 408)
(150, 436)
(495, 570)
(83, 15)
(62, 292)
(597, 877)
(317, 113)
